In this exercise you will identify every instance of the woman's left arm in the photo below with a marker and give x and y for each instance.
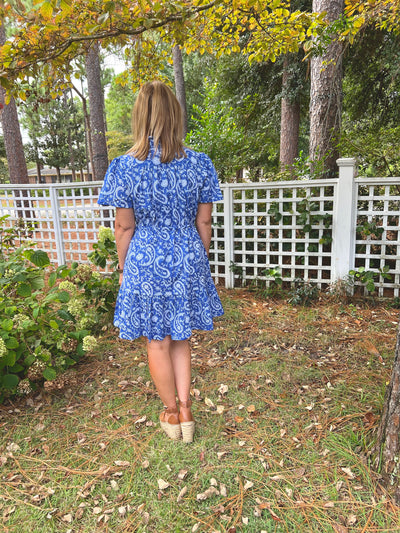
(124, 229)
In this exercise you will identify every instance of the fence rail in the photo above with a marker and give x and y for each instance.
(317, 230)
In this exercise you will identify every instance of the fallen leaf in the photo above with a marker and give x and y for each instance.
(182, 474)
(220, 455)
(145, 464)
(213, 482)
(349, 473)
(13, 447)
(223, 389)
(81, 438)
(8, 510)
(181, 494)
(238, 419)
(251, 408)
(222, 490)
(248, 485)
(212, 491)
(97, 510)
(209, 403)
(220, 409)
(162, 485)
(67, 518)
(196, 527)
(141, 420)
(114, 485)
(351, 520)
(245, 520)
(122, 510)
(339, 528)
(122, 463)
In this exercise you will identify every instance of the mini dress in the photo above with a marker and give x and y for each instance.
(167, 288)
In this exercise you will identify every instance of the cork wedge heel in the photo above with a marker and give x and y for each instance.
(169, 422)
(187, 422)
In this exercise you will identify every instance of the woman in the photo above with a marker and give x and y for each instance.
(163, 194)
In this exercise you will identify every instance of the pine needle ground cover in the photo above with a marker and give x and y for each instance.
(287, 402)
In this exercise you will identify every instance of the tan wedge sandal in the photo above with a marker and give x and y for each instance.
(187, 423)
(169, 421)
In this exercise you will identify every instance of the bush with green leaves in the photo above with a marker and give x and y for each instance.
(303, 292)
(48, 316)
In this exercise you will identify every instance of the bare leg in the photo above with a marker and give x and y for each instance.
(182, 365)
(162, 370)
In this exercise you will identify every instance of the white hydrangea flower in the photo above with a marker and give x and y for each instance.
(105, 233)
(89, 343)
(96, 275)
(3, 348)
(75, 307)
(19, 319)
(24, 387)
(68, 286)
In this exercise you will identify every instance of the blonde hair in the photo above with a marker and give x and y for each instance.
(157, 113)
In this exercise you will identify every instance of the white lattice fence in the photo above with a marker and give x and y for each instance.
(315, 230)
(285, 226)
(65, 219)
(377, 244)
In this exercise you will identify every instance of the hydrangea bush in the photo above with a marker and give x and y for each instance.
(49, 317)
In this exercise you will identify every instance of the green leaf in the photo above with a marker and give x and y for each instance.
(12, 343)
(62, 313)
(24, 290)
(49, 373)
(10, 381)
(53, 324)
(63, 296)
(37, 282)
(29, 359)
(10, 358)
(40, 258)
(52, 279)
(7, 324)
(35, 312)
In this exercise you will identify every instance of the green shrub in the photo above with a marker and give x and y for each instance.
(48, 316)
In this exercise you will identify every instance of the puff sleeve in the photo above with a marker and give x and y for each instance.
(117, 187)
(210, 190)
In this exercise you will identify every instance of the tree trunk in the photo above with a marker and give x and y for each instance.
(387, 448)
(14, 147)
(96, 106)
(290, 121)
(88, 138)
(326, 95)
(180, 84)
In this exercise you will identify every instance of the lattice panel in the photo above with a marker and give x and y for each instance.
(79, 220)
(284, 228)
(377, 246)
(217, 248)
(34, 208)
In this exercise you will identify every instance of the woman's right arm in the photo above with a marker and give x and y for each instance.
(124, 230)
(203, 224)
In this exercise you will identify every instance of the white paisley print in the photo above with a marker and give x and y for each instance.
(167, 288)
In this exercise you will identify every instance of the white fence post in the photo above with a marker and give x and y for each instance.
(344, 220)
(58, 233)
(228, 234)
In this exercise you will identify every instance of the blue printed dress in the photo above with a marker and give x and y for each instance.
(167, 287)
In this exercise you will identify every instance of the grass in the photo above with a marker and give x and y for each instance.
(287, 402)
